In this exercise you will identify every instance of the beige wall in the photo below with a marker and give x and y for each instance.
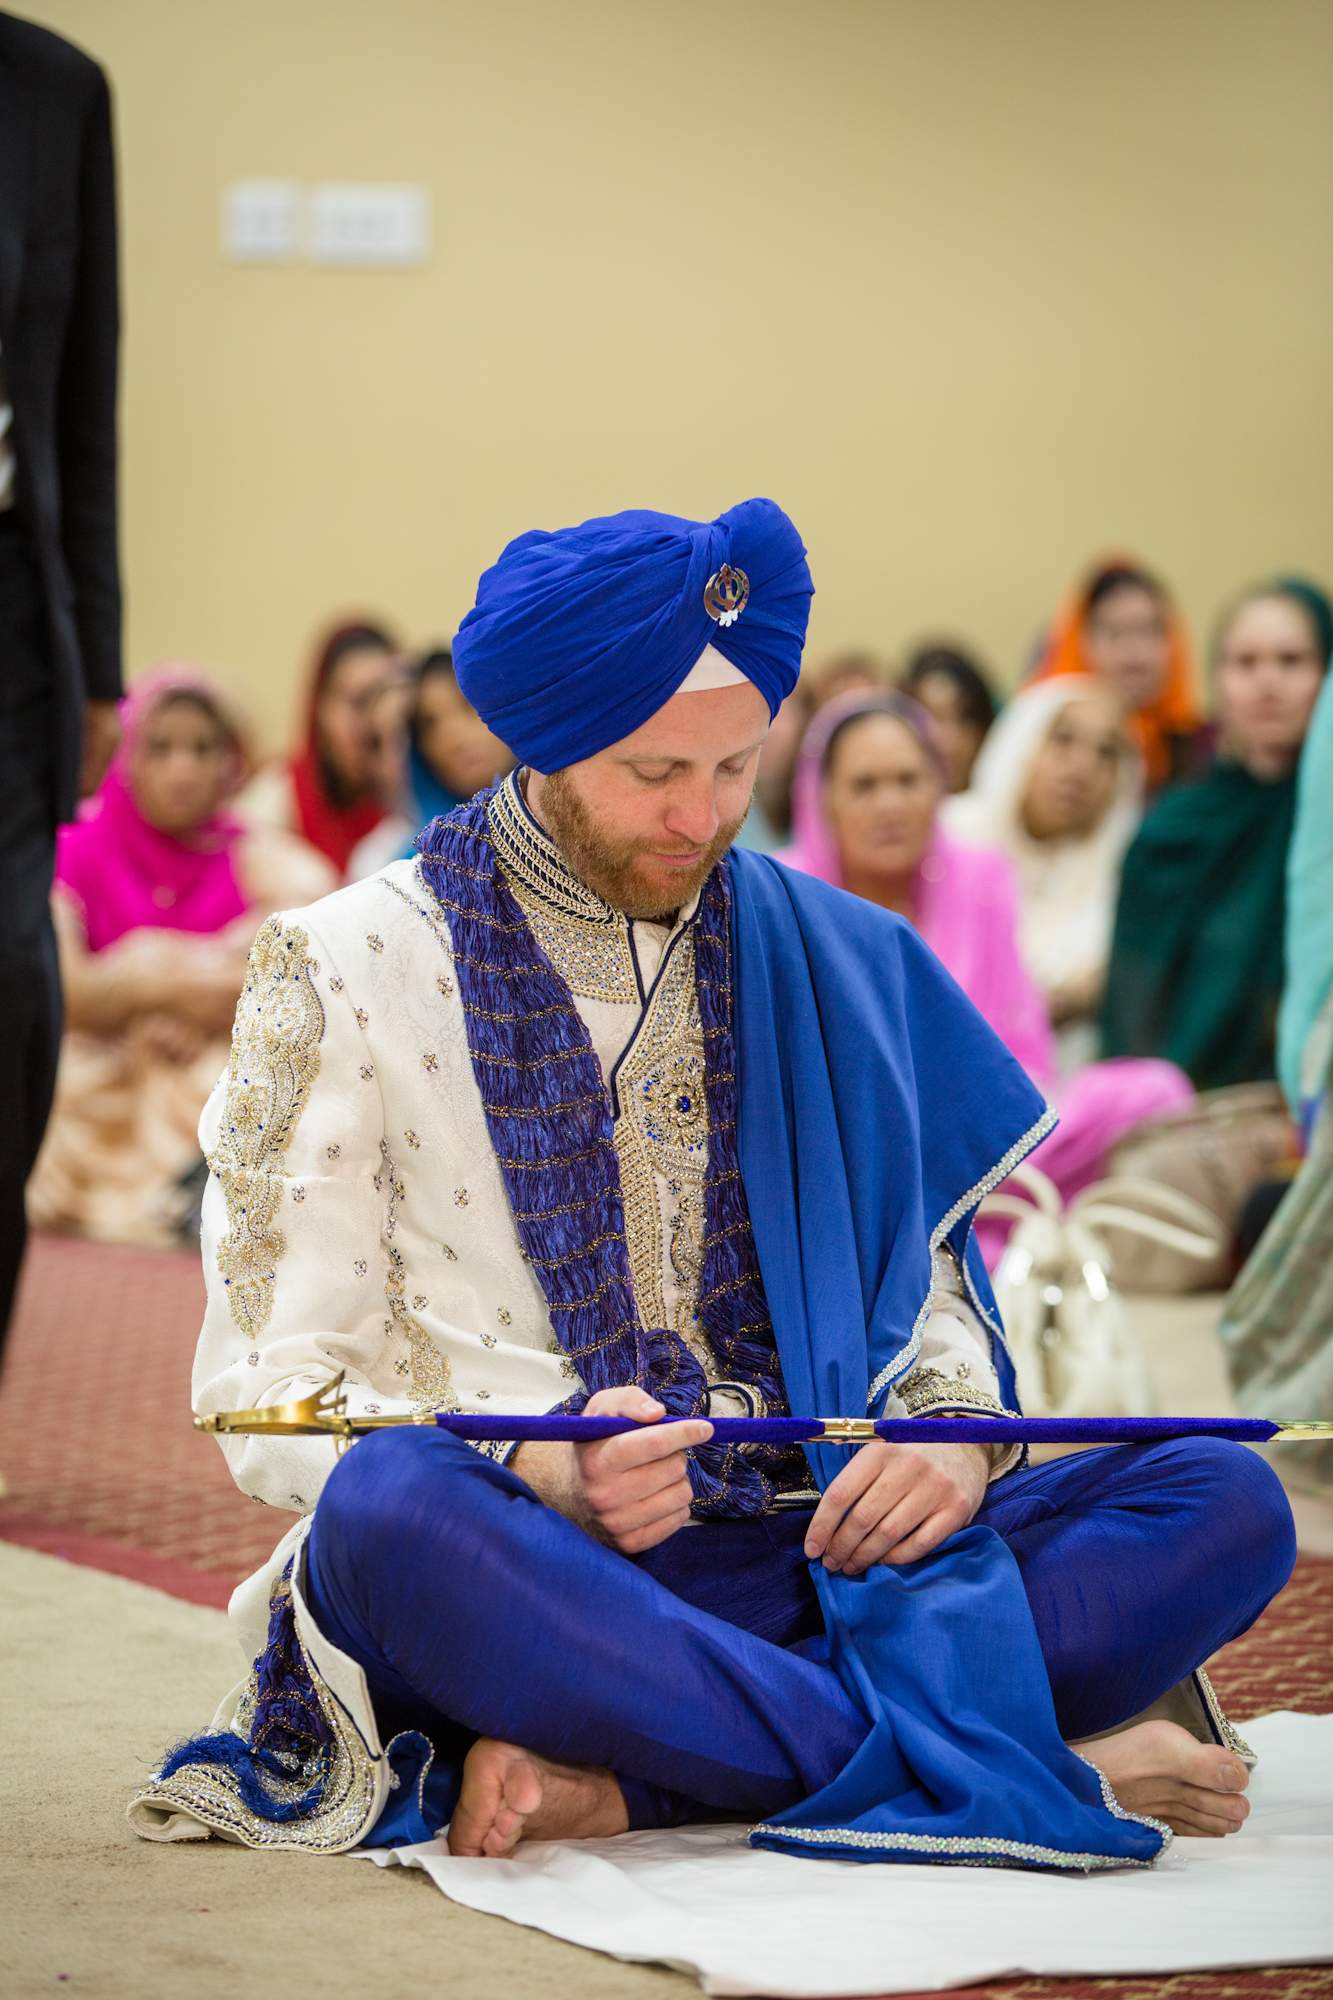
(972, 287)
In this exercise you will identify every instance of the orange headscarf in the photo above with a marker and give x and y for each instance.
(1176, 711)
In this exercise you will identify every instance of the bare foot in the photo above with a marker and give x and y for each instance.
(1158, 1768)
(511, 1795)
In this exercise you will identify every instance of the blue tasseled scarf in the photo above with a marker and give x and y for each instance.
(290, 1745)
(549, 1115)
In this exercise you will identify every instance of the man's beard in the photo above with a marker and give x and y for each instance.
(611, 863)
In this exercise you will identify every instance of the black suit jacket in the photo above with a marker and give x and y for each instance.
(59, 326)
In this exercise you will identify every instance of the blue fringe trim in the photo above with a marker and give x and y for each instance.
(548, 1112)
(290, 1740)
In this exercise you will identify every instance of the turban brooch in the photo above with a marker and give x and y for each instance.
(577, 637)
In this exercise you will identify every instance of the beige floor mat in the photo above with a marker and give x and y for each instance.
(96, 1675)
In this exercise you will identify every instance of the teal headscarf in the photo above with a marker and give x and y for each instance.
(1196, 969)
(1309, 938)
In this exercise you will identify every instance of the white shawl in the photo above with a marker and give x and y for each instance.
(1067, 887)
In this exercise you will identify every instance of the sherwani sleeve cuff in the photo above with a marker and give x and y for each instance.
(954, 1373)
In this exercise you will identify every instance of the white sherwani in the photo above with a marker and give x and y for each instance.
(356, 1217)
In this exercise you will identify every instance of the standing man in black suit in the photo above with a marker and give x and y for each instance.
(59, 581)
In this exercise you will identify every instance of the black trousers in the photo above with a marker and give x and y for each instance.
(30, 1015)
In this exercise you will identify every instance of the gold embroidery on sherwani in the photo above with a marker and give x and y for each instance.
(926, 1390)
(432, 1380)
(662, 1131)
(274, 1062)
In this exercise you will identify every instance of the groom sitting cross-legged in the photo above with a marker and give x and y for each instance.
(582, 1109)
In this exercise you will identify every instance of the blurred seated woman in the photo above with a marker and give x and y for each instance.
(1196, 960)
(1059, 790)
(329, 793)
(158, 894)
(1122, 627)
(436, 751)
(841, 673)
(952, 689)
(869, 783)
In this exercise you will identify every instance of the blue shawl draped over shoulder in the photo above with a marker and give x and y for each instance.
(875, 1109)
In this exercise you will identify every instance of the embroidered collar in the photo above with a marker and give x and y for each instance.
(534, 864)
(589, 942)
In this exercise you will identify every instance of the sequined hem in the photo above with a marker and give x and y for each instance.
(985, 1851)
(1113, 1805)
(957, 1849)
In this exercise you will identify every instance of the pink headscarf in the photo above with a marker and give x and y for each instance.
(126, 874)
(965, 898)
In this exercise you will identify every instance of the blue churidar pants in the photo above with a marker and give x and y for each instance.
(694, 1672)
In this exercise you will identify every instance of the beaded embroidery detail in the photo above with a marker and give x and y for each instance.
(661, 1136)
(928, 1389)
(432, 1379)
(583, 936)
(299, 1755)
(274, 1061)
(963, 1849)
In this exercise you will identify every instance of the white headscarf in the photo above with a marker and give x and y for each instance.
(1068, 886)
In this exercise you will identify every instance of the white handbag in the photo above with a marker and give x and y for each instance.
(1074, 1348)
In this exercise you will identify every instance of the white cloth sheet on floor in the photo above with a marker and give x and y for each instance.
(747, 1922)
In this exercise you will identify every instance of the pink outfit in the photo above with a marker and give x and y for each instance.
(126, 874)
(966, 902)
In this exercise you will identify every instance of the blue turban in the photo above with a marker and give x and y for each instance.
(578, 637)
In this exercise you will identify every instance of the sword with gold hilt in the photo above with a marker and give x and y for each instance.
(326, 1415)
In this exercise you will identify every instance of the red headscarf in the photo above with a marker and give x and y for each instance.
(1177, 710)
(333, 828)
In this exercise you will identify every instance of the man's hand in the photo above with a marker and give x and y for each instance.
(632, 1491)
(101, 734)
(893, 1503)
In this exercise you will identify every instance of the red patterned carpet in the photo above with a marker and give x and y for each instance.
(104, 1469)
(1278, 1982)
(95, 1439)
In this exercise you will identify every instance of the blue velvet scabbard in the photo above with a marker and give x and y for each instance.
(557, 1427)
